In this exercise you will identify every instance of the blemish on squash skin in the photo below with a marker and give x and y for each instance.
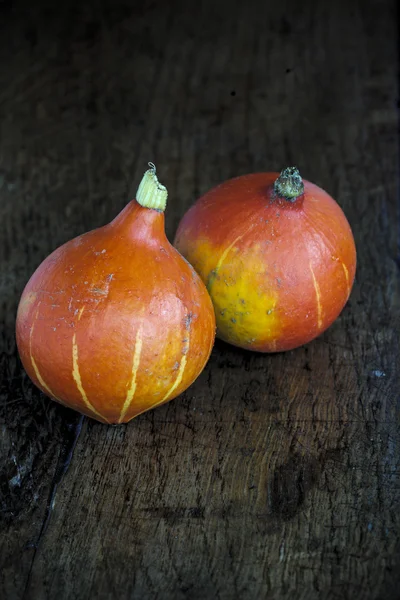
(182, 365)
(102, 290)
(179, 375)
(188, 320)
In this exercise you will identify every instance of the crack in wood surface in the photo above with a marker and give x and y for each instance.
(63, 463)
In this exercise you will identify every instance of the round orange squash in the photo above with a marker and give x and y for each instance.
(277, 256)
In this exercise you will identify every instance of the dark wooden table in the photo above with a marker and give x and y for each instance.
(273, 476)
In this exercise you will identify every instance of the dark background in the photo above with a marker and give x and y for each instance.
(273, 476)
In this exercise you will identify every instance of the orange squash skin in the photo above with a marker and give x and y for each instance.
(115, 321)
(278, 272)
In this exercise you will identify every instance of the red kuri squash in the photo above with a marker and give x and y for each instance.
(277, 255)
(116, 322)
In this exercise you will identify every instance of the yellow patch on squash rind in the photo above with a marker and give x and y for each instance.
(245, 305)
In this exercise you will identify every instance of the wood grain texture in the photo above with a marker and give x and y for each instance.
(272, 476)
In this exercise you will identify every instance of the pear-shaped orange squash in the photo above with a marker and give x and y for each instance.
(116, 322)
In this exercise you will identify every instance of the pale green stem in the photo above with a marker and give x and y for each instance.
(151, 193)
